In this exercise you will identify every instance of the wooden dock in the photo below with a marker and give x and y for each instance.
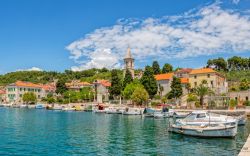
(245, 151)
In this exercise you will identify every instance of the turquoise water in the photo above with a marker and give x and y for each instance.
(42, 132)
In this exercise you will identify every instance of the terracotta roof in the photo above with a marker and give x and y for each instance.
(166, 76)
(77, 84)
(184, 80)
(202, 70)
(105, 83)
(49, 87)
(26, 84)
(184, 70)
(2, 92)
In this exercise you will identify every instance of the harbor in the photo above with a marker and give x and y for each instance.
(79, 132)
(67, 133)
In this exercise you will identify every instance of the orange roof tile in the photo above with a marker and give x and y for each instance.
(184, 80)
(2, 92)
(166, 76)
(105, 83)
(202, 70)
(27, 84)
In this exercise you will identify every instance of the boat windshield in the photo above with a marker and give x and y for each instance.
(191, 117)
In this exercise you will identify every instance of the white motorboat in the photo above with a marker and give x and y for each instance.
(159, 114)
(180, 114)
(31, 106)
(206, 118)
(68, 109)
(204, 124)
(99, 109)
(23, 106)
(132, 111)
(113, 110)
(220, 130)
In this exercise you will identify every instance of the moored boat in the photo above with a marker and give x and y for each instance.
(180, 114)
(39, 106)
(220, 130)
(205, 124)
(132, 111)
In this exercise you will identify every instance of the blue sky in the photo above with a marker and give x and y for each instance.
(63, 34)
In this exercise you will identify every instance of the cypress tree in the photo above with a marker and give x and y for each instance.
(116, 87)
(127, 79)
(156, 68)
(176, 88)
(149, 82)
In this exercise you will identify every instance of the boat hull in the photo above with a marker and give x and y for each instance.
(207, 132)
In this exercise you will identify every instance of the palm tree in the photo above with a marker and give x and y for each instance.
(202, 91)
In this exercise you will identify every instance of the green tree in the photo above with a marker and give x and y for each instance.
(29, 98)
(201, 91)
(167, 68)
(116, 87)
(244, 84)
(130, 88)
(140, 96)
(127, 79)
(149, 82)
(218, 64)
(156, 68)
(60, 86)
(176, 88)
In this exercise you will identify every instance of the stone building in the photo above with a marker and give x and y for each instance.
(129, 63)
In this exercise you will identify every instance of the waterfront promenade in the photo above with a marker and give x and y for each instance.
(245, 151)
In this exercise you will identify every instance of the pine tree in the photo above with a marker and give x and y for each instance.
(116, 87)
(156, 68)
(149, 82)
(167, 68)
(127, 79)
(176, 88)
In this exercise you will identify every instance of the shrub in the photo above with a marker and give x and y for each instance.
(246, 103)
(232, 103)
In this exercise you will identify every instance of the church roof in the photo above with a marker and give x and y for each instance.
(128, 54)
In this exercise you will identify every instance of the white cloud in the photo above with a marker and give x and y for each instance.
(31, 69)
(206, 31)
(235, 1)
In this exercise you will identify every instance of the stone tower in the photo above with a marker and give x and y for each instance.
(129, 63)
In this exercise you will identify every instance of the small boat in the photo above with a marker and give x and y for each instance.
(23, 106)
(39, 106)
(57, 107)
(180, 114)
(68, 109)
(132, 111)
(148, 112)
(31, 106)
(113, 110)
(220, 130)
(204, 124)
(99, 109)
(15, 106)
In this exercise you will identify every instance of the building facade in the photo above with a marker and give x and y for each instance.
(102, 90)
(77, 85)
(216, 81)
(164, 83)
(15, 91)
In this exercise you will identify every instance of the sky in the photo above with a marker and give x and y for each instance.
(55, 35)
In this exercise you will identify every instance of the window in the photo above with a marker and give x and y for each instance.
(212, 84)
(203, 115)
(208, 75)
(195, 84)
(195, 76)
(246, 98)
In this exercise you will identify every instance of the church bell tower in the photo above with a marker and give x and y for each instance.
(129, 63)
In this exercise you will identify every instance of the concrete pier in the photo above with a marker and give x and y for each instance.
(245, 151)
